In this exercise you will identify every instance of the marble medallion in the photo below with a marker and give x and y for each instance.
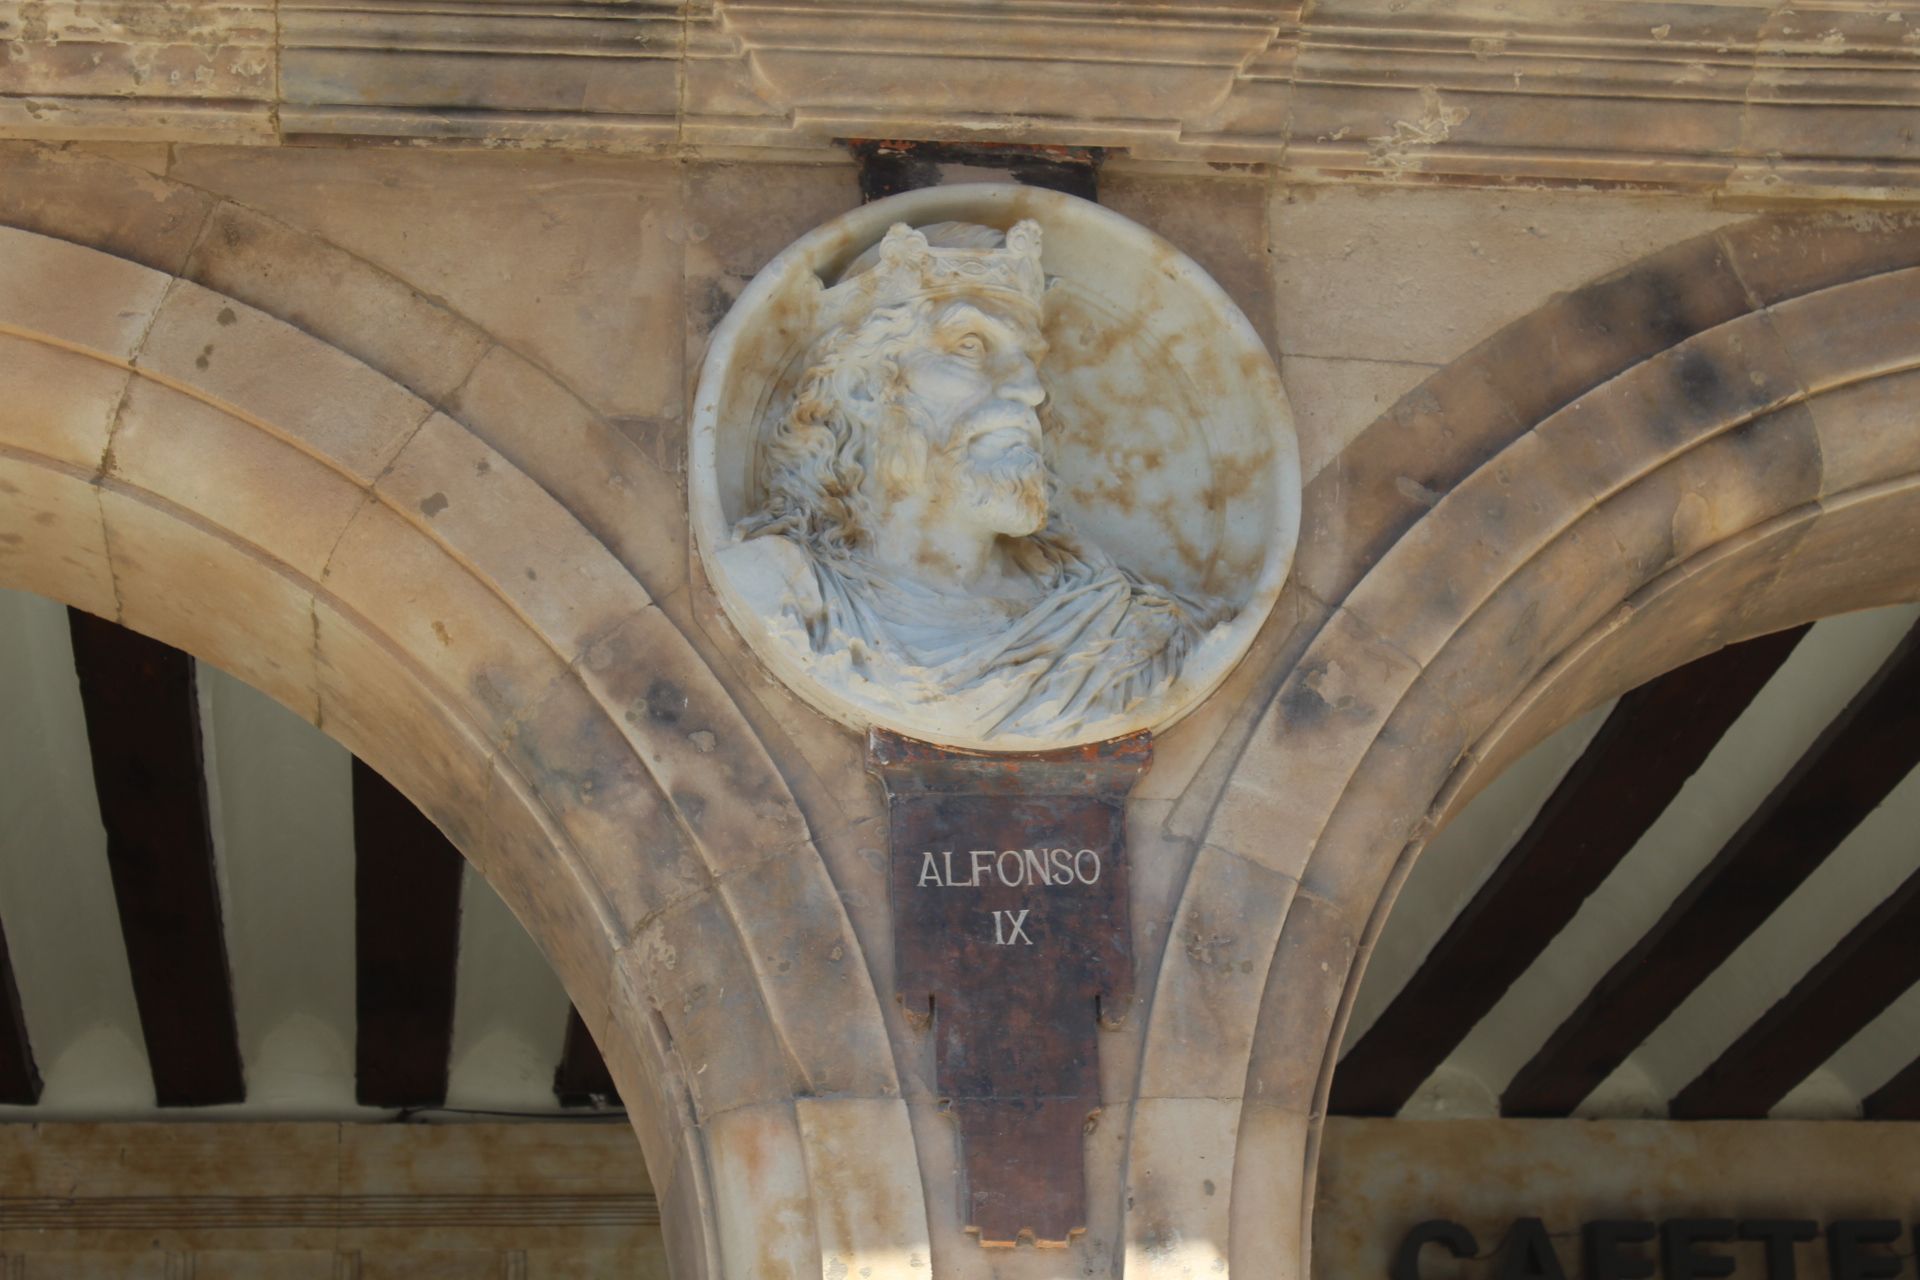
(995, 468)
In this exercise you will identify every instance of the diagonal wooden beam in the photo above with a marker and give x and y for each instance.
(1898, 1098)
(1851, 985)
(1652, 742)
(143, 732)
(407, 946)
(19, 1075)
(582, 1079)
(1857, 759)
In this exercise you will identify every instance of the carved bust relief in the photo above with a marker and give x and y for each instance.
(953, 504)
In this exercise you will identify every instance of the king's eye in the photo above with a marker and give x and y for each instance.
(971, 345)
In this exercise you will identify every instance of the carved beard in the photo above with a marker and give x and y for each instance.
(1011, 489)
(1009, 486)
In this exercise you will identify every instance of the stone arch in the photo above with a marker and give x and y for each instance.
(209, 474)
(1714, 443)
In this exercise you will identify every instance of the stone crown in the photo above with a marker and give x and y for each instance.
(910, 265)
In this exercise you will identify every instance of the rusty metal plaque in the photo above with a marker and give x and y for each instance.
(1010, 921)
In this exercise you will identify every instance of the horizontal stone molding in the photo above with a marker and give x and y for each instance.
(1741, 97)
(253, 1213)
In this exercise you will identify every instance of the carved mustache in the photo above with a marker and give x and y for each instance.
(999, 440)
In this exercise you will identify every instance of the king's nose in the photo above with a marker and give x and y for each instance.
(1022, 385)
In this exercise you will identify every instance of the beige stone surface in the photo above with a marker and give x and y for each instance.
(1219, 221)
(578, 240)
(310, 393)
(694, 742)
(1310, 739)
(97, 1264)
(245, 614)
(646, 1262)
(763, 1196)
(626, 830)
(724, 250)
(1866, 432)
(66, 50)
(1851, 331)
(76, 295)
(1454, 265)
(252, 1201)
(1193, 760)
(507, 530)
(1273, 1188)
(601, 476)
(336, 296)
(1717, 97)
(263, 1264)
(555, 70)
(865, 1188)
(60, 403)
(692, 961)
(812, 975)
(1180, 1187)
(1319, 938)
(1334, 399)
(1211, 974)
(100, 200)
(382, 707)
(52, 538)
(511, 840)
(253, 484)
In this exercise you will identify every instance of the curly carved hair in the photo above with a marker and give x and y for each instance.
(816, 454)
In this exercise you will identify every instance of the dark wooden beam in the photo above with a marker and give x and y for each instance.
(407, 946)
(1652, 742)
(19, 1076)
(1868, 970)
(1857, 759)
(1898, 1098)
(583, 1079)
(143, 731)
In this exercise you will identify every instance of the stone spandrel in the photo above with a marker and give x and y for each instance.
(1010, 907)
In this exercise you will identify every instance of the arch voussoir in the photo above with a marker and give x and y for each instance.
(1673, 474)
(277, 507)
(53, 540)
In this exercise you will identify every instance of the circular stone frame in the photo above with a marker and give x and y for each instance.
(1198, 489)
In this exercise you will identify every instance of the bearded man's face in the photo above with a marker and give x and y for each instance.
(969, 390)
